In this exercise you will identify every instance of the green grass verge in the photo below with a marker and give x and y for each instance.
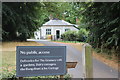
(8, 64)
(8, 58)
(69, 41)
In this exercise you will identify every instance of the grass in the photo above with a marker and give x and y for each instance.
(108, 54)
(8, 58)
(78, 46)
(107, 59)
(11, 46)
(8, 63)
(75, 44)
(9, 50)
(68, 41)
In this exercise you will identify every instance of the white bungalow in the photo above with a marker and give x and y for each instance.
(55, 28)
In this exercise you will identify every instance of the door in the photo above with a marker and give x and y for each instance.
(57, 34)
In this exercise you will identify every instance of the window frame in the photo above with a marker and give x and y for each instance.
(67, 29)
(48, 31)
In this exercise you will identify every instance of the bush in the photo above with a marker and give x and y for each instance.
(74, 36)
(69, 36)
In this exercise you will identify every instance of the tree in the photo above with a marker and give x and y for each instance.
(19, 20)
(102, 21)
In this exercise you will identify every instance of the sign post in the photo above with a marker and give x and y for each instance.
(87, 61)
(68, 66)
(40, 61)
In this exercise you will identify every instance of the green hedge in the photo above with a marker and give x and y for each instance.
(74, 36)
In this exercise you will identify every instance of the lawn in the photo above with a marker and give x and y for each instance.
(68, 41)
(76, 44)
(11, 46)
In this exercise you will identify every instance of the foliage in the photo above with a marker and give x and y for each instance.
(102, 21)
(69, 36)
(82, 35)
(18, 20)
(8, 74)
(74, 36)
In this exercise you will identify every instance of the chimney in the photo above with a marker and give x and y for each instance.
(51, 17)
(77, 21)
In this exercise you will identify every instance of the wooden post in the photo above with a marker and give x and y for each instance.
(61, 77)
(21, 78)
(87, 61)
(68, 66)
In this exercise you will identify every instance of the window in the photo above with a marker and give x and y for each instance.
(67, 30)
(48, 31)
(36, 34)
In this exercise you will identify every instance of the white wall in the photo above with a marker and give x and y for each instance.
(54, 28)
(37, 34)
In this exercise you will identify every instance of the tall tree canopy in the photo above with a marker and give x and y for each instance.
(19, 20)
(102, 19)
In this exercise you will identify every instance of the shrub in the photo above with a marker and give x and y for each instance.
(69, 36)
(74, 36)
